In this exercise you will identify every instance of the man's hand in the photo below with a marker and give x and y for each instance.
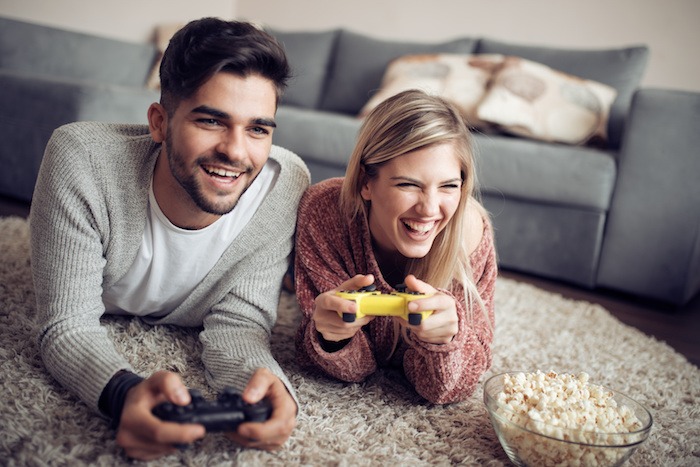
(273, 433)
(328, 304)
(143, 435)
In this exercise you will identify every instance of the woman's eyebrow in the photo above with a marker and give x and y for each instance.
(413, 180)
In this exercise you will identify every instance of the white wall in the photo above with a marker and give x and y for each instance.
(671, 28)
(130, 20)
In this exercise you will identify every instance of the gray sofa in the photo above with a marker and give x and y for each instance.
(625, 217)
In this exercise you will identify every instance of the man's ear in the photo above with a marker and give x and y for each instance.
(157, 122)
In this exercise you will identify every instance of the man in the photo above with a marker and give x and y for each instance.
(189, 222)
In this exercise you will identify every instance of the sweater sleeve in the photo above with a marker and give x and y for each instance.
(237, 330)
(324, 260)
(67, 253)
(238, 327)
(450, 373)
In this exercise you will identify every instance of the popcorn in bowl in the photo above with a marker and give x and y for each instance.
(563, 419)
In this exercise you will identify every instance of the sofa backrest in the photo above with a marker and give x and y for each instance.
(359, 62)
(43, 50)
(621, 68)
(309, 55)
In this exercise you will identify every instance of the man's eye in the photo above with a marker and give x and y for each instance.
(209, 121)
(259, 130)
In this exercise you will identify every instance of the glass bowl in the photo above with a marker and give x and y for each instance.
(531, 442)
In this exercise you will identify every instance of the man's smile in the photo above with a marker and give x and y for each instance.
(221, 172)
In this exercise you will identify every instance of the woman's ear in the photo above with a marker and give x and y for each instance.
(157, 122)
(366, 190)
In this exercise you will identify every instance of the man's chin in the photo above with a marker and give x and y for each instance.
(219, 207)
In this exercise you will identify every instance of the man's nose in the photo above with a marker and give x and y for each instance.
(231, 144)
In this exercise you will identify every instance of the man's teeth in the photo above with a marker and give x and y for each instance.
(419, 226)
(222, 172)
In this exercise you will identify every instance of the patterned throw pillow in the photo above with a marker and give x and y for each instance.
(459, 78)
(532, 100)
(163, 34)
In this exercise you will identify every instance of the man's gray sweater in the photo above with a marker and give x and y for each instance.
(87, 219)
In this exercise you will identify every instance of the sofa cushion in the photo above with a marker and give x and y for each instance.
(309, 54)
(43, 50)
(551, 174)
(359, 63)
(316, 135)
(459, 78)
(620, 68)
(533, 100)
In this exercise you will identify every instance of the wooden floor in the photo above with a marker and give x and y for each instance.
(677, 326)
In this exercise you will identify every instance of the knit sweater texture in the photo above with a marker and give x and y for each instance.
(331, 250)
(87, 219)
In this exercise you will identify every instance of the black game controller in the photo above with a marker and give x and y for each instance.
(224, 414)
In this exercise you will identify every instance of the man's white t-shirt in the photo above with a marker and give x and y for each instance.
(172, 261)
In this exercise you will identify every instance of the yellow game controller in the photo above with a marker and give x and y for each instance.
(371, 302)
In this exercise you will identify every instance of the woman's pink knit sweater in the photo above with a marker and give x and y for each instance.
(329, 251)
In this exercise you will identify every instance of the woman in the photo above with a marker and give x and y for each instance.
(404, 213)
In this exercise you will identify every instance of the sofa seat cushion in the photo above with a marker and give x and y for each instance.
(360, 61)
(620, 68)
(43, 50)
(309, 55)
(315, 135)
(544, 172)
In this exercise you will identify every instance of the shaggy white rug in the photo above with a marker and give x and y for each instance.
(379, 422)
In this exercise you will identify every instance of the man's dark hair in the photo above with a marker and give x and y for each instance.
(207, 46)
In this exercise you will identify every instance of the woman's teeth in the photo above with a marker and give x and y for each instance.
(420, 227)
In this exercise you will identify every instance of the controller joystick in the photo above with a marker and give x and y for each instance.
(223, 414)
(371, 302)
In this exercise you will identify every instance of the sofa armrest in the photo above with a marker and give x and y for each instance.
(652, 238)
(32, 106)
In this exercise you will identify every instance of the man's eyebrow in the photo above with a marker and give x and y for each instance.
(216, 113)
(211, 111)
(265, 122)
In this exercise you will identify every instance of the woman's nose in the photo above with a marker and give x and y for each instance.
(429, 204)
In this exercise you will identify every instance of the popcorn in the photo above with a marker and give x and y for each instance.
(566, 407)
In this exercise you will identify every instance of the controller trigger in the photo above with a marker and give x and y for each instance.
(415, 318)
(349, 317)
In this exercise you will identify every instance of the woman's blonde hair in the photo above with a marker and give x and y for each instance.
(406, 122)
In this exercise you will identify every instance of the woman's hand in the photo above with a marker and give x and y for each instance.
(441, 326)
(327, 306)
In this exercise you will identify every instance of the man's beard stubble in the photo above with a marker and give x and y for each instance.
(187, 181)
